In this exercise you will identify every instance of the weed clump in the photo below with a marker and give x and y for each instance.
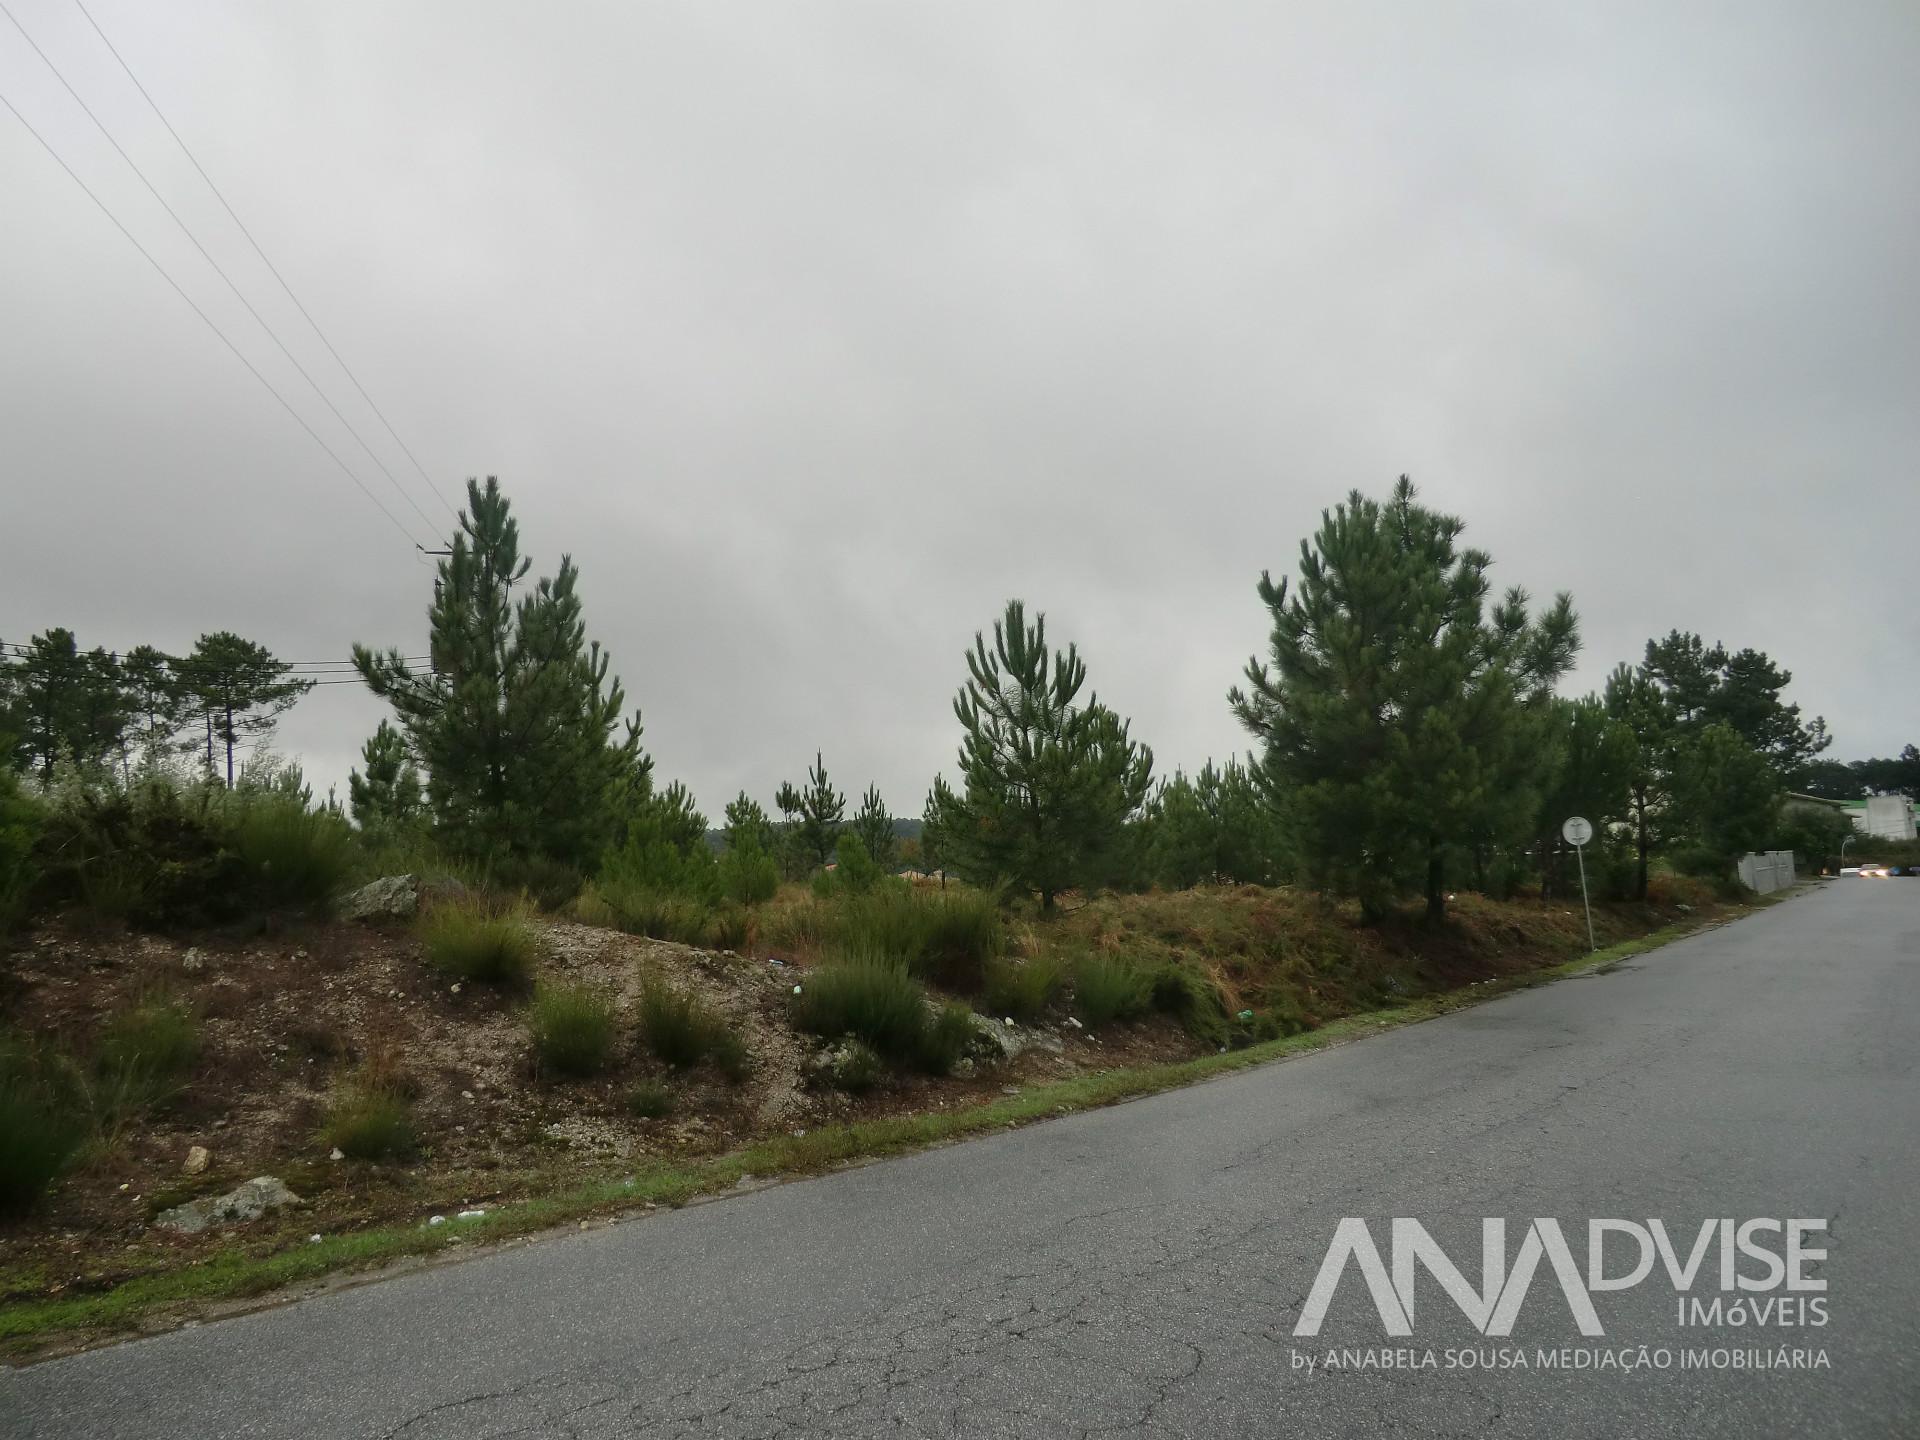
(683, 1030)
(947, 938)
(650, 1100)
(885, 1007)
(1107, 989)
(572, 1028)
(43, 1123)
(472, 942)
(370, 1121)
(145, 1054)
(1021, 990)
(292, 856)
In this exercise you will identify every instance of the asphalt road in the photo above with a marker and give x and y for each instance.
(1139, 1270)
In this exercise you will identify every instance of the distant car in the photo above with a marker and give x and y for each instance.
(1873, 872)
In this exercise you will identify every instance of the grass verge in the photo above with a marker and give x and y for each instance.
(236, 1274)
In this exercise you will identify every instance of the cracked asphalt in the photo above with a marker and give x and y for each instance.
(1139, 1270)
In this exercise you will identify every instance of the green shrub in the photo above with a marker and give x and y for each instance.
(1021, 990)
(726, 927)
(884, 923)
(120, 889)
(807, 925)
(649, 861)
(947, 938)
(878, 1003)
(856, 1069)
(572, 1027)
(1105, 990)
(642, 910)
(854, 869)
(748, 875)
(1193, 1000)
(548, 885)
(146, 1053)
(43, 1124)
(469, 941)
(162, 852)
(729, 1054)
(154, 852)
(370, 1122)
(680, 1027)
(963, 933)
(291, 855)
(945, 1038)
(650, 1100)
(19, 830)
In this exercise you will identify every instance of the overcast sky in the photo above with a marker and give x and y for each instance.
(815, 331)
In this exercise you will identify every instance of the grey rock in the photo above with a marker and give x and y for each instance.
(392, 897)
(439, 889)
(846, 1065)
(1003, 1040)
(246, 1202)
(196, 1161)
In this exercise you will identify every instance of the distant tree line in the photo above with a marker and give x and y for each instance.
(1407, 740)
(1859, 779)
(61, 704)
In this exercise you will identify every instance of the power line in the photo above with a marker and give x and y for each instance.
(345, 369)
(238, 354)
(173, 215)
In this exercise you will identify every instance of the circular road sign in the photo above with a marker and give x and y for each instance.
(1576, 831)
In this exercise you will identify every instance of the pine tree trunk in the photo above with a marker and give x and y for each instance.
(227, 735)
(1640, 876)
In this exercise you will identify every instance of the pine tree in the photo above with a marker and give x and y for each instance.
(156, 699)
(1398, 718)
(748, 825)
(1212, 827)
(874, 826)
(67, 704)
(388, 796)
(1703, 685)
(515, 722)
(1594, 761)
(1635, 701)
(1048, 785)
(240, 688)
(813, 814)
(1726, 797)
(749, 871)
(933, 842)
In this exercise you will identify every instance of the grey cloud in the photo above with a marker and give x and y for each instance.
(814, 332)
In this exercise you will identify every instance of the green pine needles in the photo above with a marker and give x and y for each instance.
(1048, 783)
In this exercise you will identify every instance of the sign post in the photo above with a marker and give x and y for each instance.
(1577, 832)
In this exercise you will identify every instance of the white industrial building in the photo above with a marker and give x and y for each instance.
(1884, 817)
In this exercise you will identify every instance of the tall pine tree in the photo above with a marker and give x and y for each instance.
(1398, 718)
(67, 704)
(240, 688)
(516, 719)
(813, 813)
(1047, 784)
(874, 828)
